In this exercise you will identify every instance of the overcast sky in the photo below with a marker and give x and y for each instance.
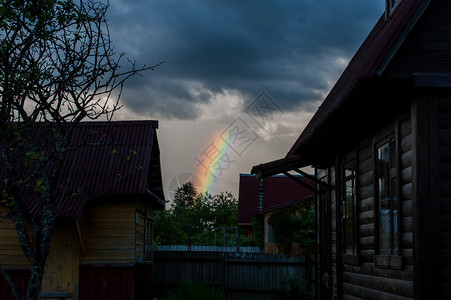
(220, 56)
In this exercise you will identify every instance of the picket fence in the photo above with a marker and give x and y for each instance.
(241, 276)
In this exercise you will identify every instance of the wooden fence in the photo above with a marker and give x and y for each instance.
(241, 276)
(245, 249)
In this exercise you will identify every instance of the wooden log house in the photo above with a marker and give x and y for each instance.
(101, 246)
(381, 147)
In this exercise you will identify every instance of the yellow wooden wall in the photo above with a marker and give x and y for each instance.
(110, 233)
(114, 234)
(11, 254)
(61, 269)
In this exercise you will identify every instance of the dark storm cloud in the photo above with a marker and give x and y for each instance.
(289, 48)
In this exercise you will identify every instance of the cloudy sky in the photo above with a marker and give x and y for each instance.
(240, 79)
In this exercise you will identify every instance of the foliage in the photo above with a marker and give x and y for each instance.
(293, 290)
(58, 67)
(294, 224)
(189, 290)
(196, 213)
(306, 237)
(186, 196)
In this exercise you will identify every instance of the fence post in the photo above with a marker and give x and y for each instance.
(189, 239)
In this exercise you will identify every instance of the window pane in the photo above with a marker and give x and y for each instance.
(392, 153)
(383, 174)
(348, 210)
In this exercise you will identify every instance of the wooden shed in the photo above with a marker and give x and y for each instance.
(381, 147)
(102, 242)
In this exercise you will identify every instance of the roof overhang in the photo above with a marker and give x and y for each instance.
(285, 165)
(299, 201)
(279, 166)
(159, 204)
(339, 131)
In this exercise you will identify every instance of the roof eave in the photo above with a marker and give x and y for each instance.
(159, 204)
(278, 166)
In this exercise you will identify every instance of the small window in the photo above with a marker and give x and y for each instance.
(387, 200)
(349, 210)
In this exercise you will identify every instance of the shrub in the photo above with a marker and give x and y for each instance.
(293, 290)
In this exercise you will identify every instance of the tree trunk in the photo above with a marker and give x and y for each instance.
(34, 285)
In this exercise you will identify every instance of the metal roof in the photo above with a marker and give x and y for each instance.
(109, 159)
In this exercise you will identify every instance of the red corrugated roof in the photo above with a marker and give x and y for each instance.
(278, 190)
(119, 159)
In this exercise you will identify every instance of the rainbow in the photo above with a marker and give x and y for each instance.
(213, 161)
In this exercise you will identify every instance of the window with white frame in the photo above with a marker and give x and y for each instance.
(387, 200)
(349, 210)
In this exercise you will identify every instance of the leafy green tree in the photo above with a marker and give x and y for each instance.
(186, 211)
(185, 196)
(305, 236)
(57, 68)
(295, 224)
(197, 213)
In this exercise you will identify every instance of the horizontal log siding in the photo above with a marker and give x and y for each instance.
(11, 254)
(365, 207)
(110, 234)
(445, 193)
(405, 166)
(366, 280)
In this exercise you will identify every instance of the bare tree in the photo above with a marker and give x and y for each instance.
(57, 68)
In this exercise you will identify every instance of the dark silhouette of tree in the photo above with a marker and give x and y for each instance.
(57, 68)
